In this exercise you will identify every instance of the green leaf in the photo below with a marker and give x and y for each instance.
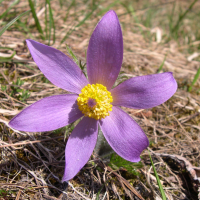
(68, 9)
(117, 162)
(162, 64)
(195, 79)
(181, 17)
(2, 30)
(98, 193)
(79, 24)
(51, 22)
(36, 19)
(8, 9)
(72, 54)
(8, 58)
(158, 180)
(108, 7)
(1, 1)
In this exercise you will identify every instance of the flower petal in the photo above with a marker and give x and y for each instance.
(57, 67)
(144, 92)
(80, 146)
(48, 114)
(124, 135)
(105, 51)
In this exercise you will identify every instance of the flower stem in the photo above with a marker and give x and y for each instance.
(102, 148)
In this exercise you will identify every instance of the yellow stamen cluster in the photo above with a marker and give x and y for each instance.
(95, 101)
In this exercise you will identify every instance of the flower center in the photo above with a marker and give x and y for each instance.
(95, 101)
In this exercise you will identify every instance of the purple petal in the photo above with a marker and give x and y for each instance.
(57, 67)
(144, 92)
(105, 51)
(80, 146)
(124, 135)
(48, 114)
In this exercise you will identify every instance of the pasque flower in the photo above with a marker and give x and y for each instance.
(94, 100)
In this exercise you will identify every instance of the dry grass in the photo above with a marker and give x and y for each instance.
(32, 164)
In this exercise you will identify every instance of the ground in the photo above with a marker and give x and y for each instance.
(159, 36)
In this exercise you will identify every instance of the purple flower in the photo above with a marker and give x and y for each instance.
(94, 99)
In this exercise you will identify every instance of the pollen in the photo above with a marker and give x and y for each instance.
(95, 101)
